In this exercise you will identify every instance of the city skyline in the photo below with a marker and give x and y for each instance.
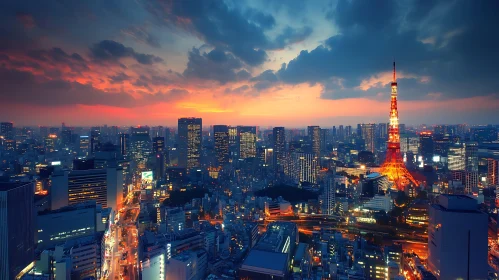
(289, 64)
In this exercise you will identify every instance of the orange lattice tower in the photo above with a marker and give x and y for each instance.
(394, 167)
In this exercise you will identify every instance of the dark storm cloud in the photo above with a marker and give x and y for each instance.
(216, 65)
(112, 50)
(118, 78)
(142, 35)
(451, 42)
(57, 56)
(240, 31)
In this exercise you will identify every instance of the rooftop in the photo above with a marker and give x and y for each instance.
(9, 186)
(264, 261)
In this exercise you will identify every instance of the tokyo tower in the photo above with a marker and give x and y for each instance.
(393, 167)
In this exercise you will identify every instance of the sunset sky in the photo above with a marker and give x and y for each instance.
(247, 62)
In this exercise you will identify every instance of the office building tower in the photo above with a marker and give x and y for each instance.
(153, 266)
(94, 139)
(140, 143)
(105, 186)
(172, 219)
(341, 133)
(382, 129)
(456, 158)
(189, 265)
(329, 194)
(17, 229)
(84, 145)
(314, 138)
(158, 145)
(246, 141)
(426, 148)
(221, 140)
(457, 238)
(279, 150)
(325, 137)
(66, 137)
(189, 142)
(7, 130)
(124, 143)
(232, 135)
(492, 172)
(348, 131)
(334, 133)
(302, 167)
(471, 166)
(368, 134)
(58, 226)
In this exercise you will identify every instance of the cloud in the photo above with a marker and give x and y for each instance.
(216, 65)
(27, 20)
(109, 50)
(118, 78)
(141, 34)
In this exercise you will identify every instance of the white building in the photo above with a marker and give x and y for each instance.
(153, 268)
(457, 239)
(189, 265)
(380, 202)
(329, 194)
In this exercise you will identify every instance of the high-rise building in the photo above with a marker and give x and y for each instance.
(94, 139)
(173, 219)
(140, 143)
(7, 130)
(279, 151)
(17, 229)
(124, 143)
(189, 142)
(457, 239)
(66, 137)
(341, 133)
(158, 145)
(329, 195)
(302, 167)
(221, 139)
(426, 148)
(368, 134)
(471, 166)
(105, 186)
(246, 141)
(84, 145)
(492, 172)
(348, 131)
(314, 137)
(456, 158)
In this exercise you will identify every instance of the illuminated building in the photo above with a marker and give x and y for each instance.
(426, 146)
(188, 265)
(172, 219)
(94, 139)
(105, 186)
(124, 143)
(153, 267)
(314, 137)
(279, 151)
(329, 194)
(232, 135)
(373, 183)
(456, 158)
(84, 145)
(140, 143)
(158, 145)
(379, 202)
(302, 167)
(221, 139)
(17, 228)
(457, 238)
(246, 141)
(7, 130)
(50, 143)
(368, 134)
(189, 142)
(66, 137)
(492, 172)
(471, 166)
(393, 167)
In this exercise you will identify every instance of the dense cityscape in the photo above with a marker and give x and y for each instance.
(256, 157)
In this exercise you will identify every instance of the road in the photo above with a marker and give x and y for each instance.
(121, 253)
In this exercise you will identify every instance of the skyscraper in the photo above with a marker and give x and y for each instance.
(189, 142)
(124, 143)
(368, 134)
(140, 143)
(221, 139)
(94, 139)
(246, 140)
(279, 151)
(17, 229)
(457, 238)
(7, 130)
(341, 133)
(158, 145)
(426, 146)
(471, 166)
(492, 172)
(314, 137)
(329, 194)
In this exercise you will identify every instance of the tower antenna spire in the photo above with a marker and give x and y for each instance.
(394, 75)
